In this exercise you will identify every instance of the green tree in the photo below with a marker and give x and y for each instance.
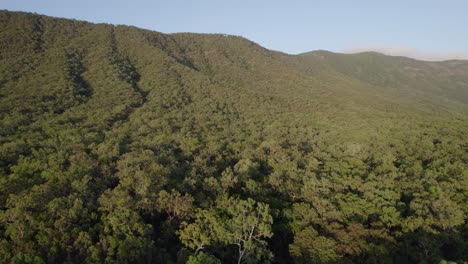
(310, 247)
(200, 233)
(174, 204)
(203, 258)
(244, 223)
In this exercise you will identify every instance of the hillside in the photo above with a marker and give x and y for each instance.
(124, 145)
(439, 81)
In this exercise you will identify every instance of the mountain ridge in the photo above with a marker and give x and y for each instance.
(223, 34)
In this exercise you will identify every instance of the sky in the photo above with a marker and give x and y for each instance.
(429, 30)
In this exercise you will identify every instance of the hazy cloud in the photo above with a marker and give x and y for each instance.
(411, 53)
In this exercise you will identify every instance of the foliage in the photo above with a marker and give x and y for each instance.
(123, 145)
(203, 258)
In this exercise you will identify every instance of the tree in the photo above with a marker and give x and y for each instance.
(310, 247)
(246, 224)
(125, 238)
(200, 233)
(232, 221)
(203, 258)
(174, 204)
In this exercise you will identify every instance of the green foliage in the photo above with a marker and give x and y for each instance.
(123, 145)
(175, 204)
(125, 69)
(200, 233)
(203, 258)
(244, 223)
(309, 247)
(26, 259)
(75, 69)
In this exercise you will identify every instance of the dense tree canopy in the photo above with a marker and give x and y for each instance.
(123, 145)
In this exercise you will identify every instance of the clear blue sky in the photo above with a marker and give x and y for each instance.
(288, 26)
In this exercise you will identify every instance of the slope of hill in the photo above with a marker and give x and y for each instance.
(119, 144)
(442, 82)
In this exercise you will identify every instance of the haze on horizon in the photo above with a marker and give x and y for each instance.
(424, 30)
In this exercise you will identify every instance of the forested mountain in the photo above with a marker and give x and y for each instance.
(124, 145)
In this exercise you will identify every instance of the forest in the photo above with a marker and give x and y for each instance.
(125, 145)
